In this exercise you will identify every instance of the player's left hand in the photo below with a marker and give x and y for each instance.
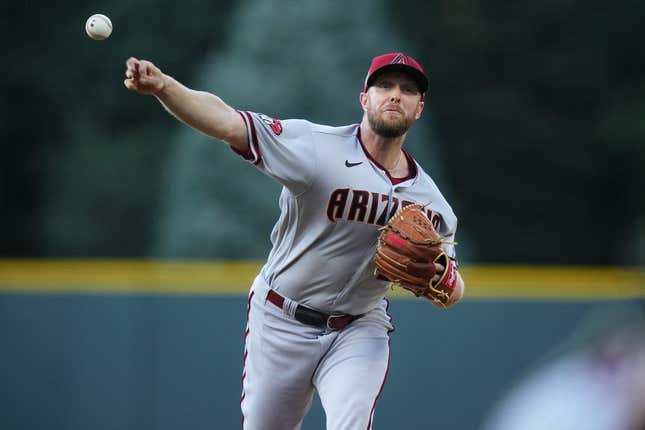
(438, 270)
(409, 254)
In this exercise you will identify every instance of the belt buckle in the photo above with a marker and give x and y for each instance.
(333, 318)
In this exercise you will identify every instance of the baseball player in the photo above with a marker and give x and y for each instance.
(317, 317)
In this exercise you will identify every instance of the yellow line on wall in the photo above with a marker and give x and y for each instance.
(127, 276)
(235, 277)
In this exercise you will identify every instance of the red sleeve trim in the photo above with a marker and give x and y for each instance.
(254, 138)
(253, 153)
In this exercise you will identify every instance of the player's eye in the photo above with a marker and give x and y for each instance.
(410, 89)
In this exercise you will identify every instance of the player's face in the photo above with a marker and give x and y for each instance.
(392, 104)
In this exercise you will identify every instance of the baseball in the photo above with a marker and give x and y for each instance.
(98, 27)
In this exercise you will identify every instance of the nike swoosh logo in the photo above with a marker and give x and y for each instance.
(348, 164)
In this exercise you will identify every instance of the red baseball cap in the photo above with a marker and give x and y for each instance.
(396, 61)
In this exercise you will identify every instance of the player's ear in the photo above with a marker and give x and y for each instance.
(420, 107)
(362, 99)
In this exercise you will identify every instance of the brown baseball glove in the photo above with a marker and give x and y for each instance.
(407, 250)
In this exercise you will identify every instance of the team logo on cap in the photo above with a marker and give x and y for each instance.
(399, 59)
(275, 124)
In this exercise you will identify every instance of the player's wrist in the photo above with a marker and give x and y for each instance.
(164, 85)
(449, 278)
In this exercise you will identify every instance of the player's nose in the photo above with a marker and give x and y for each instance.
(395, 93)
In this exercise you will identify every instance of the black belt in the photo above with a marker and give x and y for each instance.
(311, 317)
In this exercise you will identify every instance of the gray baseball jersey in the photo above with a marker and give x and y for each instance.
(335, 197)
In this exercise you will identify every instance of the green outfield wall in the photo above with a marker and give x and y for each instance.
(158, 345)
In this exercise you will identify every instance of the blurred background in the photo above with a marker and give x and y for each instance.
(128, 240)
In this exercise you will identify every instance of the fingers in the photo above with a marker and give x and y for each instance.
(431, 271)
(420, 269)
(427, 270)
(131, 84)
(439, 271)
(144, 68)
(131, 61)
(131, 74)
(141, 76)
(132, 67)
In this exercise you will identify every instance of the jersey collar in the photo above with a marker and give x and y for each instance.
(413, 165)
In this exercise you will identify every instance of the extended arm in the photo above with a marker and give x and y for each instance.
(201, 110)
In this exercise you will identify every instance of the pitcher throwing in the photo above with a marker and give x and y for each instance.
(317, 317)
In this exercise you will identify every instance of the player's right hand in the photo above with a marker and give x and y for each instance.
(143, 77)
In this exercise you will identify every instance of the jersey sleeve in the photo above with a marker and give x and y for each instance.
(449, 248)
(284, 150)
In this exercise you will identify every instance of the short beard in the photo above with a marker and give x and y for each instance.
(389, 129)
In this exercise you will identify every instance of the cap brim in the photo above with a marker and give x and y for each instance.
(419, 77)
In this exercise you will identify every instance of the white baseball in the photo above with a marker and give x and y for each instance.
(98, 27)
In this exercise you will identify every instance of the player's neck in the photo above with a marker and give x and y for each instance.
(386, 151)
